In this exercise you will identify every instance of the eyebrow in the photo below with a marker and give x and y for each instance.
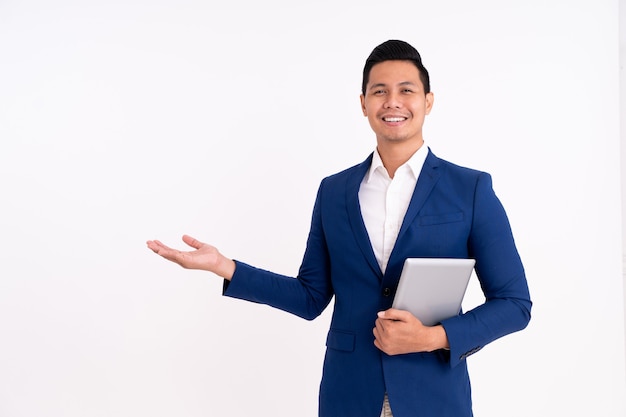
(402, 84)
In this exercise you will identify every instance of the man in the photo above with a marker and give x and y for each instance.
(401, 202)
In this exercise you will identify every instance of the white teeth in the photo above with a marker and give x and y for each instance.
(394, 119)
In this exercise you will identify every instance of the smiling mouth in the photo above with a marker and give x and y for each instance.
(394, 119)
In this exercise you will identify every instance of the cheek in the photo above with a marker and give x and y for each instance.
(421, 110)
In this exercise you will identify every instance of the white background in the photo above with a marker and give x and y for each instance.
(122, 121)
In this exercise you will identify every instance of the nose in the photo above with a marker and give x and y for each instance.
(393, 101)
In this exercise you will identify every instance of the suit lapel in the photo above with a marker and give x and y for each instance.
(425, 183)
(354, 214)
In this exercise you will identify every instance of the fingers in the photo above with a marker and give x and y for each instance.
(395, 332)
(165, 251)
(195, 259)
(380, 328)
(203, 256)
(377, 332)
(382, 336)
(194, 243)
(383, 326)
(377, 342)
(392, 314)
(156, 245)
(160, 249)
(396, 315)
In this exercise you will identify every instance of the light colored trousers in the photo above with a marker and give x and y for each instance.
(386, 412)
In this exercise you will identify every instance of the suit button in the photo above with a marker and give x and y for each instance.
(387, 292)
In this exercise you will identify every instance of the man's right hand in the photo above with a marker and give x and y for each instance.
(204, 257)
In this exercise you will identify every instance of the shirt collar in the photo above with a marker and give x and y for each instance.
(415, 163)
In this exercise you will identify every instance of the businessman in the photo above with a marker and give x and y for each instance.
(401, 202)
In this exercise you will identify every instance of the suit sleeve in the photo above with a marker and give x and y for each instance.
(502, 278)
(305, 296)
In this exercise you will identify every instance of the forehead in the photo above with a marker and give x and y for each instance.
(394, 72)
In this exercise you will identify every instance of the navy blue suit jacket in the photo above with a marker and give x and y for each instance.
(454, 213)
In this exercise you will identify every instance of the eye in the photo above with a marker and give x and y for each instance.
(407, 91)
(378, 92)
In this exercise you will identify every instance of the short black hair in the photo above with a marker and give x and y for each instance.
(395, 50)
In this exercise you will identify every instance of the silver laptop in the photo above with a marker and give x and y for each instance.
(433, 288)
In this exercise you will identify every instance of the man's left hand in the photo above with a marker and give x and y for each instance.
(398, 332)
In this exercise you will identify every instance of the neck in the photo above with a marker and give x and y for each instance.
(396, 154)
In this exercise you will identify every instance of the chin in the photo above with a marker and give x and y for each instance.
(396, 139)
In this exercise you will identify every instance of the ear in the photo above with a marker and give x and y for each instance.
(363, 108)
(430, 100)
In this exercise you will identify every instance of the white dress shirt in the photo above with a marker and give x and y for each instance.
(384, 201)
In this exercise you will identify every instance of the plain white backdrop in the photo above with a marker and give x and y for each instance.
(122, 121)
